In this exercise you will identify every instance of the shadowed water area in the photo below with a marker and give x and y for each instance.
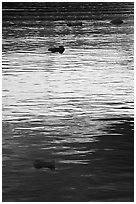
(75, 108)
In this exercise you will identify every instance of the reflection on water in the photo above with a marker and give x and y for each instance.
(75, 108)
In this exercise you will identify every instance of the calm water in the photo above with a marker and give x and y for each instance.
(75, 108)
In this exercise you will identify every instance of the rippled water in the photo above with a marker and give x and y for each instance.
(75, 108)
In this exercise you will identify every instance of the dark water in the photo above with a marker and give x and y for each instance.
(75, 108)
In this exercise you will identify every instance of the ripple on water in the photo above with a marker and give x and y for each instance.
(73, 108)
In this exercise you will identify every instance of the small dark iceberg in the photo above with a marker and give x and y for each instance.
(38, 164)
(74, 23)
(59, 49)
(117, 21)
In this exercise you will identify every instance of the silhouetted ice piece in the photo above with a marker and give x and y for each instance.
(59, 49)
(117, 21)
(38, 164)
(76, 23)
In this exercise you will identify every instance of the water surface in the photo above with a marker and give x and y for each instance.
(75, 108)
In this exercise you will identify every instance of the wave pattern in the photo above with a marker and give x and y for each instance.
(75, 108)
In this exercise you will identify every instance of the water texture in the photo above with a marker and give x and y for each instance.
(75, 108)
